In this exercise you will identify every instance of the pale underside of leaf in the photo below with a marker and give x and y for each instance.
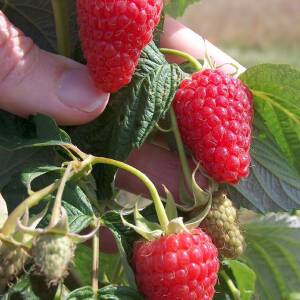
(273, 252)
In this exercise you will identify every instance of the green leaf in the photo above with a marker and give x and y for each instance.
(40, 130)
(276, 90)
(244, 277)
(273, 253)
(131, 114)
(124, 237)
(30, 174)
(110, 271)
(176, 8)
(13, 163)
(84, 293)
(272, 185)
(21, 290)
(110, 292)
(113, 292)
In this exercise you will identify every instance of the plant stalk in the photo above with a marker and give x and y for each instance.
(61, 11)
(182, 156)
(233, 289)
(196, 64)
(10, 224)
(57, 204)
(161, 214)
(96, 260)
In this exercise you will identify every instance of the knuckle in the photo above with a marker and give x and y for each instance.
(15, 52)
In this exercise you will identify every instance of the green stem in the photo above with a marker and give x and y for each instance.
(61, 11)
(96, 254)
(182, 156)
(79, 169)
(184, 55)
(234, 290)
(57, 204)
(160, 210)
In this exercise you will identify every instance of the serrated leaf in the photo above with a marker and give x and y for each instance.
(276, 90)
(131, 114)
(245, 278)
(12, 165)
(176, 8)
(273, 252)
(30, 174)
(21, 290)
(114, 292)
(123, 237)
(272, 185)
(83, 293)
(40, 130)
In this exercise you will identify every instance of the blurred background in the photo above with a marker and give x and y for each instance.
(265, 31)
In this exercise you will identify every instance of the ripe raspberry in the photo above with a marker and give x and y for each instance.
(221, 224)
(214, 114)
(52, 255)
(113, 34)
(177, 267)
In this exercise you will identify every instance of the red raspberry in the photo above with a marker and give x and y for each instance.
(113, 34)
(214, 114)
(180, 266)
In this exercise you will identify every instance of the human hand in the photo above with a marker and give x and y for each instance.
(35, 81)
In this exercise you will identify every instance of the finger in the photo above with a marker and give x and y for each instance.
(179, 37)
(34, 81)
(160, 165)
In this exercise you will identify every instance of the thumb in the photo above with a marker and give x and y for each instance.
(35, 81)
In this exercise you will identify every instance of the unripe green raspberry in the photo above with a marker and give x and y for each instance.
(12, 261)
(222, 225)
(52, 255)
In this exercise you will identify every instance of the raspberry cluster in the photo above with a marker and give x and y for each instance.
(180, 266)
(113, 34)
(214, 114)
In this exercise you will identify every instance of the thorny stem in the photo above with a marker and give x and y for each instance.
(61, 11)
(235, 292)
(95, 274)
(57, 204)
(196, 64)
(182, 156)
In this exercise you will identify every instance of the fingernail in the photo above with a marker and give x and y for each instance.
(76, 90)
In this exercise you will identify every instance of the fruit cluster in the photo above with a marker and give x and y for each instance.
(214, 114)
